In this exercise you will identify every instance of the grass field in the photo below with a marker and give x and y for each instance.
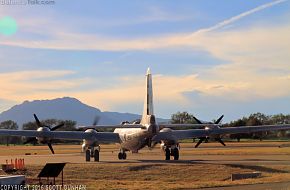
(158, 176)
(161, 174)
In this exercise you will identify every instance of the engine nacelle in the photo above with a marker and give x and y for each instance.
(162, 146)
(43, 140)
(84, 147)
(91, 142)
(170, 142)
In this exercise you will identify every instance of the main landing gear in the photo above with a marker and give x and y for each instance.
(122, 155)
(93, 153)
(173, 151)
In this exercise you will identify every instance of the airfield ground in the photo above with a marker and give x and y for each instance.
(210, 165)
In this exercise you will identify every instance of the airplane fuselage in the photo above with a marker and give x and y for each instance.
(135, 139)
(132, 139)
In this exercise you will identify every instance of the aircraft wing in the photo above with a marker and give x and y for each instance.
(110, 126)
(180, 134)
(69, 135)
(250, 129)
(185, 125)
(197, 133)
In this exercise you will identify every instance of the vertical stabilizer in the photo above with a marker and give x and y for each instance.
(148, 103)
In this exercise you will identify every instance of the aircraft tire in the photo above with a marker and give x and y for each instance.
(88, 155)
(176, 153)
(124, 155)
(97, 156)
(120, 156)
(167, 154)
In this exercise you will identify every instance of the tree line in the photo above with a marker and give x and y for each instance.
(69, 125)
(252, 120)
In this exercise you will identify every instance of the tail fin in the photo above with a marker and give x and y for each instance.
(148, 103)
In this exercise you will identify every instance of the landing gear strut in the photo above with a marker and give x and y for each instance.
(88, 155)
(173, 151)
(97, 155)
(122, 155)
(167, 153)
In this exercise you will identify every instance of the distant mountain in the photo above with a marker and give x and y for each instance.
(66, 109)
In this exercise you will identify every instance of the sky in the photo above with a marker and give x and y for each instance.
(207, 57)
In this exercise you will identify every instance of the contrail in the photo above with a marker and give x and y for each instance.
(238, 17)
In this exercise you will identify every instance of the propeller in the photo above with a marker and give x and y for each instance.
(219, 120)
(200, 141)
(151, 144)
(197, 120)
(56, 127)
(96, 120)
(50, 147)
(218, 139)
(39, 124)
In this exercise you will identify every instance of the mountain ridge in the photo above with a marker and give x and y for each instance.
(66, 108)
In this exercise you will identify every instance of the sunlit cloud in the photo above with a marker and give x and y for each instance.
(26, 85)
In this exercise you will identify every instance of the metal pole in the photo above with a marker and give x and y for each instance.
(62, 177)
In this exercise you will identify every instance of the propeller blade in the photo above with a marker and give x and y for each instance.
(96, 120)
(197, 120)
(56, 127)
(30, 140)
(38, 123)
(50, 147)
(199, 142)
(153, 144)
(220, 141)
(219, 120)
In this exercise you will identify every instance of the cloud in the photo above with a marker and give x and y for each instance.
(257, 61)
(41, 84)
(240, 16)
(74, 41)
(27, 85)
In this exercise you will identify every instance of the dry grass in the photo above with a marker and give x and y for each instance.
(157, 176)
(161, 174)
(232, 148)
(43, 149)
